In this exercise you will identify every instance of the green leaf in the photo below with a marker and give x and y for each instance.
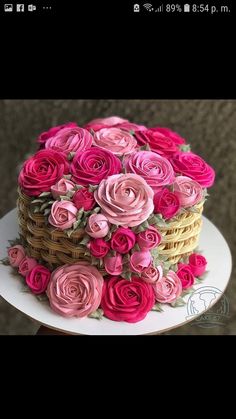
(145, 147)
(98, 314)
(127, 275)
(202, 277)
(157, 307)
(5, 261)
(76, 224)
(85, 240)
(43, 207)
(96, 210)
(36, 209)
(132, 132)
(92, 132)
(71, 155)
(42, 297)
(108, 236)
(113, 228)
(44, 194)
(77, 187)
(92, 188)
(38, 201)
(25, 288)
(47, 211)
(94, 261)
(187, 291)
(179, 302)
(68, 177)
(185, 147)
(70, 194)
(69, 232)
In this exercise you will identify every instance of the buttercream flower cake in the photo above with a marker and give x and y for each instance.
(110, 216)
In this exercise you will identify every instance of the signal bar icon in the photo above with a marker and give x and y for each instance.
(160, 9)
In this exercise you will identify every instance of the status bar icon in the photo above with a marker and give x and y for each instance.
(186, 8)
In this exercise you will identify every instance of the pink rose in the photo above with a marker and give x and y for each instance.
(63, 214)
(26, 265)
(84, 199)
(197, 264)
(123, 240)
(166, 203)
(99, 123)
(97, 226)
(93, 165)
(130, 126)
(38, 278)
(139, 261)
(188, 191)
(15, 255)
(193, 166)
(155, 169)
(98, 248)
(126, 200)
(42, 171)
(168, 288)
(185, 275)
(149, 238)
(115, 140)
(157, 142)
(62, 187)
(169, 134)
(113, 264)
(75, 290)
(53, 131)
(70, 140)
(151, 274)
(128, 301)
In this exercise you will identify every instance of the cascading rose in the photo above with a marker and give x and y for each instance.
(115, 140)
(75, 290)
(70, 139)
(125, 200)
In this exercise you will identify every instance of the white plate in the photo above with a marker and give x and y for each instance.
(214, 247)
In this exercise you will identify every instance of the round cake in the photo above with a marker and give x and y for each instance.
(110, 217)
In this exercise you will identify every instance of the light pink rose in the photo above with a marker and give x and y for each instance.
(168, 288)
(15, 255)
(62, 187)
(151, 274)
(75, 290)
(117, 141)
(149, 238)
(139, 261)
(97, 226)
(155, 169)
(113, 264)
(26, 265)
(125, 200)
(99, 123)
(63, 214)
(130, 126)
(70, 140)
(188, 191)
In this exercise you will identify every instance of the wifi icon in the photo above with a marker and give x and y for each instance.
(148, 6)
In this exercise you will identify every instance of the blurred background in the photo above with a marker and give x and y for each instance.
(208, 125)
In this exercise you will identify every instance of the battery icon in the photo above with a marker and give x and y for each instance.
(186, 8)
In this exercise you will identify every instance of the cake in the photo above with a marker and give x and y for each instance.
(110, 216)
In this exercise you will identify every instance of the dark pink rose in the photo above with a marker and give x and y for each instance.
(169, 134)
(166, 203)
(84, 199)
(70, 139)
(185, 274)
(53, 131)
(128, 301)
(157, 142)
(193, 166)
(197, 264)
(93, 165)
(168, 288)
(123, 240)
(15, 255)
(42, 171)
(99, 123)
(38, 278)
(98, 247)
(151, 274)
(139, 261)
(26, 265)
(62, 187)
(149, 238)
(113, 264)
(63, 214)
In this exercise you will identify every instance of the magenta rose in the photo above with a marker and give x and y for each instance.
(75, 290)
(42, 171)
(99, 123)
(84, 199)
(149, 238)
(98, 248)
(197, 264)
(139, 261)
(15, 255)
(128, 301)
(123, 240)
(157, 142)
(97, 226)
(38, 278)
(151, 274)
(130, 126)
(185, 274)
(155, 169)
(117, 141)
(193, 166)
(188, 191)
(166, 203)
(62, 187)
(93, 165)
(169, 134)
(168, 288)
(126, 200)
(70, 140)
(53, 131)
(113, 264)
(26, 265)
(63, 214)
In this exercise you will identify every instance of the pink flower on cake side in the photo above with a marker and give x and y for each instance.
(130, 126)
(26, 265)
(197, 264)
(84, 199)
(149, 238)
(63, 214)
(38, 278)
(75, 290)
(53, 131)
(99, 123)
(93, 165)
(97, 226)
(155, 169)
(70, 140)
(117, 141)
(128, 301)
(113, 264)
(157, 142)
(166, 203)
(123, 240)
(139, 261)
(168, 288)
(42, 171)
(169, 134)
(62, 187)
(151, 274)
(188, 191)
(98, 248)
(125, 200)
(185, 274)
(15, 255)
